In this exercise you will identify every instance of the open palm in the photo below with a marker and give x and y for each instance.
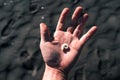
(53, 52)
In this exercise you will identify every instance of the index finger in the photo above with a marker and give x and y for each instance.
(62, 19)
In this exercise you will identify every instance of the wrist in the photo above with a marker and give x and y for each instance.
(53, 74)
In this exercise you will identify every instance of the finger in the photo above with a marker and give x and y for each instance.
(88, 35)
(75, 17)
(76, 14)
(80, 26)
(62, 19)
(44, 32)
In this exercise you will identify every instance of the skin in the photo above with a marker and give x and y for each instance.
(58, 61)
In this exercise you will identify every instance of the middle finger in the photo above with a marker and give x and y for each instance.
(75, 17)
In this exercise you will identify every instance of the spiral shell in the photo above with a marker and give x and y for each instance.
(64, 46)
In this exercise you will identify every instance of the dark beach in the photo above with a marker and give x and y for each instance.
(20, 56)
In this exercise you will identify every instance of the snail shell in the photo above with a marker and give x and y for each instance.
(64, 46)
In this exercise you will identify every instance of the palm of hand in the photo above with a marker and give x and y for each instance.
(52, 51)
(54, 56)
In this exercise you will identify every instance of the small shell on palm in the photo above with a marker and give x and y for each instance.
(64, 46)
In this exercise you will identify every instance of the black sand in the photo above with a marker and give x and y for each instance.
(20, 57)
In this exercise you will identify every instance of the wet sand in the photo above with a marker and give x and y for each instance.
(20, 56)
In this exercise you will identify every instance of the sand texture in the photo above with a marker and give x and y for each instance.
(20, 56)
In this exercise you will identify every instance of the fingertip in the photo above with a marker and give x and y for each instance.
(66, 9)
(86, 15)
(42, 24)
(94, 28)
(79, 7)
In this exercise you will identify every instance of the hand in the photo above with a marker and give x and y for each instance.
(54, 55)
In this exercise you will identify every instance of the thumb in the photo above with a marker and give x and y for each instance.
(44, 32)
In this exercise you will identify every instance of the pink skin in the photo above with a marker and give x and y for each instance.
(56, 58)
